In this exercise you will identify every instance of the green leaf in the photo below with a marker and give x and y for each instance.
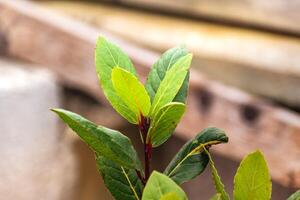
(107, 57)
(220, 188)
(216, 197)
(252, 180)
(104, 141)
(190, 161)
(171, 83)
(170, 196)
(159, 185)
(159, 69)
(295, 196)
(164, 123)
(123, 183)
(131, 91)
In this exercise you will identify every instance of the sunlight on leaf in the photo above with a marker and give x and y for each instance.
(107, 57)
(160, 185)
(131, 91)
(252, 180)
(170, 196)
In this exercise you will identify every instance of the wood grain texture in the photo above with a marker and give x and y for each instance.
(66, 47)
(38, 35)
(234, 56)
(277, 14)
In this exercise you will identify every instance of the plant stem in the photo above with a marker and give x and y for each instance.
(144, 125)
(148, 154)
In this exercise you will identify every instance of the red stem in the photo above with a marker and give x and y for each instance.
(144, 124)
(148, 154)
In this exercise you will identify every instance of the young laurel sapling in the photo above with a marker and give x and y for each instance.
(155, 109)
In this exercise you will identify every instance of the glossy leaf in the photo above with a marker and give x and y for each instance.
(295, 196)
(252, 180)
(216, 197)
(104, 141)
(107, 57)
(220, 188)
(159, 69)
(131, 91)
(164, 123)
(159, 185)
(171, 83)
(191, 160)
(123, 183)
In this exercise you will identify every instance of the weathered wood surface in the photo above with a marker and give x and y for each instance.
(277, 15)
(234, 56)
(282, 15)
(37, 35)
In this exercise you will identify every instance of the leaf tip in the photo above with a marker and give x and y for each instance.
(155, 173)
(58, 111)
(55, 110)
(100, 39)
(257, 152)
(190, 56)
(225, 139)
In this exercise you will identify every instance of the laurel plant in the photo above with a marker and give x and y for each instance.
(155, 109)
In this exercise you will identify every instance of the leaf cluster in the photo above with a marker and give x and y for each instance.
(156, 108)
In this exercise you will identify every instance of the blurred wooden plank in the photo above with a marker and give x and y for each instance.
(66, 47)
(276, 15)
(232, 55)
(281, 15)
(38, 35)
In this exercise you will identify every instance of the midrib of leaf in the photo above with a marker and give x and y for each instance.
(252, 179)
(130, 184)
(159, 189)
(110, 53)
(165, 62)
(161, 96)
(115, 143)
(197, 150)
(173, 55)
(252, 187)
(135, 99)
(162, 115)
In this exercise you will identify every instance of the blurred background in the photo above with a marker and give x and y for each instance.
(245, 79)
